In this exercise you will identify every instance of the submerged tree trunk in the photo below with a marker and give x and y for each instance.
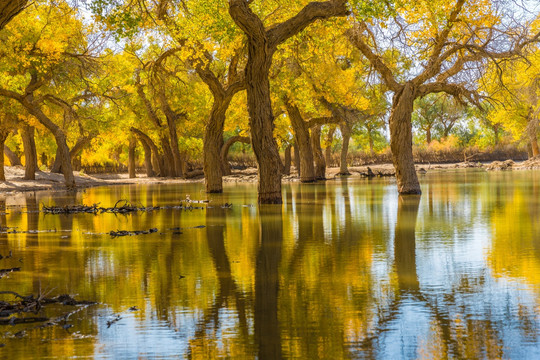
(320, 163)
(131, 157)
(303, 142)
(30, 154)
(346, 135)
(287, 161)
(13, 158)
(401, 140)
(226, 167)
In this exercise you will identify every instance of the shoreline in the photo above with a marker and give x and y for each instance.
(46, 181)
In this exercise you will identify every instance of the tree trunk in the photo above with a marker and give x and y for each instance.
(320, 163)
(3, 137)
(167, 159)
(212, 145)
(155, 158)
(328, 149)
(287, 161)
(428, 135)
(13, 158)
(532, 130)
(75, 150)
(296, 159)
(30, 154)
(131, 157)
(371, 143)
(226, 168)
(147, 158)
(176, 156)
(302, 140)
(57, 164)
(401, 140)
(346, 135)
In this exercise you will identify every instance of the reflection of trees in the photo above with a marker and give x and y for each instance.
(267, 330)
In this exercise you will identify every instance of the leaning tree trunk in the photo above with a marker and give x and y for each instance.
(287, 161)
(30, 154)
(178, 163)
(302, 140)
(401, 141)
(131, 157)
(3, 137)
(13, 158)
(212, 145)
(328, 149)
(226, 167)
(167, 159)
(147, 158)
(320, 163)
(155, 157)
(296, 159)
(346, 135)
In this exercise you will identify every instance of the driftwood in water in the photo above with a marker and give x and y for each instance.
(125, 208)
(131, 233)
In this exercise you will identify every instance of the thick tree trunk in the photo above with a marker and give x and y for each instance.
(75, 150)
(287, 161)
(13, 158)
(328, 149)
(30, 154)
(57, 164)
(303, 141)
(296, 159)
(167, 159)
(213, 165)
(532, 130)
(9, 9)
(131, 157)
(320, 163)
(147, 158)
(178, 170)
(226, 167)
(346, 135)
(428, 135)
(401, 141)
(3, 137)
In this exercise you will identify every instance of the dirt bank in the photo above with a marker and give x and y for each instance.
(48, 181)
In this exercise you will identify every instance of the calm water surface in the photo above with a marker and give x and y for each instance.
(342, 270)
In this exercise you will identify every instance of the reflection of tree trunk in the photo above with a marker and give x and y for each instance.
(30, 154)
(13, 158)
(267, 331)
(131, 157)
(346, 134)
(287, 161)
(405, 243)
(320, 163)
(32, 219)
(401, 141)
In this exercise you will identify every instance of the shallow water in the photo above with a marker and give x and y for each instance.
(344, 269)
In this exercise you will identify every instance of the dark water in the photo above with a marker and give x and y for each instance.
(342, 270)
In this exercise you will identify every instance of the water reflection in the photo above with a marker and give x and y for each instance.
(345, 269)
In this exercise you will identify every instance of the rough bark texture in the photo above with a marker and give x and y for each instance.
(401, 140)
(147, 158)
(3, 137)
(320, 163)
(131, 157)
(532, 130)
(262, 43)
(177, 166)
(346, 135)
(287, 161)
(13, 158)
(75, 150)
(9, 9)
(157, 163)
(328, 149)
(303, 141)
(225, 151)
(296, 158)
(30, 154)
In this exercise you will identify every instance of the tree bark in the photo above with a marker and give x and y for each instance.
(320, 163)
(13, 158)
(155, 157)
(3, 137)
(225, 151)
(532, 130)
(30, 154)
(213, 165)
(147, 158)
(401, 140)
(176, 168)
(287, 161)
(428, 135)
(328, 149)
(303, 141)
(9, 9)
(262, 44)
(296, 159)
(75, 150)
(346, 135)
(131, 157)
